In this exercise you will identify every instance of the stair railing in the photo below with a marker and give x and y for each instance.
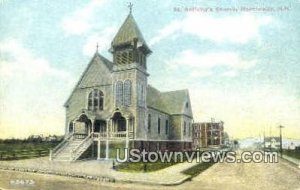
(56, 150)
(74, 152)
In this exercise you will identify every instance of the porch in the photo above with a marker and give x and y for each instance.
(87, 130)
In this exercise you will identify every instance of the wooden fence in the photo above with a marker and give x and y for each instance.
(23, 154)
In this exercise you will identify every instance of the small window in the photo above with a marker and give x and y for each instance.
(149, 123)
(184, 128)
(187, 105)
(167, 127)
(158, 126)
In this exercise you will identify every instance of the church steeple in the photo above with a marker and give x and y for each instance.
(129, 45)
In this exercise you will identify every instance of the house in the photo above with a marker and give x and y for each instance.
(208, 134)
(113, 106)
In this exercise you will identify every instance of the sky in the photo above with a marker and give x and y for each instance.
(239, 59)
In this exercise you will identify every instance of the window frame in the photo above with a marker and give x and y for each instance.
(96, 100)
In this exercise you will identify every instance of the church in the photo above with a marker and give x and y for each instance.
(113, 106)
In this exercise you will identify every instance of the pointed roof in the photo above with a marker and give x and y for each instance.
(128, 31)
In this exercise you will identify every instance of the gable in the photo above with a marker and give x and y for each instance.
(97, 73)
(173, 102)
(176, 102)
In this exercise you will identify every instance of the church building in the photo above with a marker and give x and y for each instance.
(113, 106)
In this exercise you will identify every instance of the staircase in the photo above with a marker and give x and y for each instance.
(71, 148)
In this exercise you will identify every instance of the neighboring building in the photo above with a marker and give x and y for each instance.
(291, 146)
(35, 138)
(112, 105)
(52, 138)
(272, 142)
(226, 139)
(208, 134)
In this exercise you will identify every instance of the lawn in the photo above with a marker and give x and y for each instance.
(292, 153)
(143, 167)
(24, 150)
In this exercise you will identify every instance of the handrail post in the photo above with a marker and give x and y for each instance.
(50, 155)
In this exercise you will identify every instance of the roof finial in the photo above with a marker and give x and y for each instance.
(97, 47)
(130, 5)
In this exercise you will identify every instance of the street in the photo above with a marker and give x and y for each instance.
(248, 176)
(220, 176)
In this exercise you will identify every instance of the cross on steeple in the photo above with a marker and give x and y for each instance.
(97, 46)
(130, 5)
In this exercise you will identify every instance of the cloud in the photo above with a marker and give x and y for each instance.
(103, 38)
(202, 64)
(168, 30)
(233, 29)
(247, 112)
(18, 61)
(80, 21)
(32, 92)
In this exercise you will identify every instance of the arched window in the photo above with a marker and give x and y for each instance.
(127, 93)
(158, 126)
(119, 93)
(149, 123)
(96, 100)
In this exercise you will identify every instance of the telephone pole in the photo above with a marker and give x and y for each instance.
(264, 140)
(280, 137)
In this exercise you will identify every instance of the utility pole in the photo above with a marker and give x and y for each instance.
(264, 140)
(280, 137)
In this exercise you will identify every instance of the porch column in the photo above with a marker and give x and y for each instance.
(93, 125)
(98, 151)
(127, 132)
(107, 145)
(107, 150)
(112, 127)
(108, 129)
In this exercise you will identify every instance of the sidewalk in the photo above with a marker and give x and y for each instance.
(167, 176)
(293, 160)
(99, 170)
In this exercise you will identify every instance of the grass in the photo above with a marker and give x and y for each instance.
(292, 153)
(197, 169)
(24, 150)
(143, 167)
(149, 166)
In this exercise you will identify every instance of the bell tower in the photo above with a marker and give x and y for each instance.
(129, 46)
(130, 53)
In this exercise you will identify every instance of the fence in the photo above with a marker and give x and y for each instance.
(22, 154)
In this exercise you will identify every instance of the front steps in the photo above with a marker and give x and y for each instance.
(70, 149)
